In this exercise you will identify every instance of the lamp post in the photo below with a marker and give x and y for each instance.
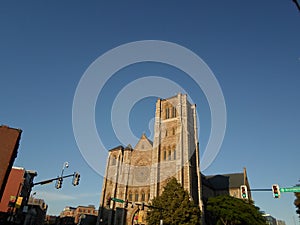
(60, 179)
(66, 165)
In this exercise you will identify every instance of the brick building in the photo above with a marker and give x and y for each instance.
(16, 194)
(79, 214)
(9, 144)
(138, 174)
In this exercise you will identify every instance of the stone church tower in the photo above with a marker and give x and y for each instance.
(138, 174)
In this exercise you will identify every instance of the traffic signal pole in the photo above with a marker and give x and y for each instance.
(276, 190)
(59, 179)
(261, 189)
(51, 180)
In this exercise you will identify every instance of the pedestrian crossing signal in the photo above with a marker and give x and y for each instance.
(108, 201)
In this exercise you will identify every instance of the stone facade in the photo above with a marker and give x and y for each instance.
(139, 174)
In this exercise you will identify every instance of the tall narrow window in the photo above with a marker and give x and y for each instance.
(148, 196)
(143, 196)
(167, 113)
(174, 131)
(130, 196)
(174, 154)
(136, 198)
(174, 111)
(113, 161)
(165, 155)
(169, 155)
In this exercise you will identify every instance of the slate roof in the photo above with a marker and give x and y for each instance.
(224, 181)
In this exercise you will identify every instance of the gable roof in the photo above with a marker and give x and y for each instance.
(144, 144)
(225, 181)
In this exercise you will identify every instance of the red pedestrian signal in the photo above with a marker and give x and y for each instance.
(108, 201)
(276, 190)
(244, 192)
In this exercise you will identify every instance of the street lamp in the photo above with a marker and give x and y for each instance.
(66, 165)
(60, 179)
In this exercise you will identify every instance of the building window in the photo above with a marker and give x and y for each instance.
(113, 161)
(136, 198)
(166, 133)
(174, 111)
(169, 155)
(174, 154)
(165, 155)
(130, 196)
(143, 196)
(174, 131)
(167, 113)
(148, 196)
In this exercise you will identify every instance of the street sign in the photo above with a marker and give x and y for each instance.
(290, 189)
(117, 200)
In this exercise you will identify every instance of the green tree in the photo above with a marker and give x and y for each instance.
(227, 210)
(174, 207)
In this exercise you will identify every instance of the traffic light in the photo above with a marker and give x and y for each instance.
(108, 201)
(76, 178)
(126, 203)
(244, 192)
(142, 206)
(58, 183)
(276, 190)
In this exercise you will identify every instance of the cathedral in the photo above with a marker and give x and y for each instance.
(135, 175)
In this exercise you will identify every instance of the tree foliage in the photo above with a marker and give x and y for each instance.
(174, 207)
(228, 210)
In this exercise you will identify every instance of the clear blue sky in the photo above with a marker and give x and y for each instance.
(252, 47)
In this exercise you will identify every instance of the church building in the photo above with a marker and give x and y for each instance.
(135, 175)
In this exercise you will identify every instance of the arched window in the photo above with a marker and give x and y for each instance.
(169, 155)
(136, 196)
(143, 196)
(166, 133)
(130, 196)
(174, 154)
(174, 131)
(165, 155)
(113, 161)
(148, 196)
(173, 111)
(167, 113)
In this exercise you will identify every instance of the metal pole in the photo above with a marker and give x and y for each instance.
(66, 165)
